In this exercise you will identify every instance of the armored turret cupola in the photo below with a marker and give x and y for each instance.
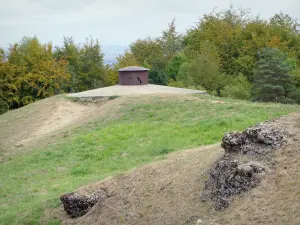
(133, 75)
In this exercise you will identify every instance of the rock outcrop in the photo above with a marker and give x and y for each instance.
(76, 204)
(240, 169)
(256, 140)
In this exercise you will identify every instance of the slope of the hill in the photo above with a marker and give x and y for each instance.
(57, 145)
(24, 128)
(168, 192)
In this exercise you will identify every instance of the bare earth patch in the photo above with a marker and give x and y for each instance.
(39, 123)
(168, 192)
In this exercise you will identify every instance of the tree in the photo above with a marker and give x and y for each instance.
(220, 30)
(174, 65)
(156, 54)
(92, 73)
(149, 53)
(272, 83)
(236, 87)
(171, 41)
(32, 73)
(86, 63)
(2, 56)
(201, 71)
(70, 51)
(146, 51)
(8, 90)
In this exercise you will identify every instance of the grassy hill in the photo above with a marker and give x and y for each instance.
(104, 139)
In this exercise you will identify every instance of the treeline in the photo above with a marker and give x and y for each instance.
(228, 53)
(30, 70)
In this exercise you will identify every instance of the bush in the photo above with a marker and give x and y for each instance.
(202, 71)
(269, 93)
(237, 87)
(3, 106)
(236, 91)
(173, 83)
(296, 95)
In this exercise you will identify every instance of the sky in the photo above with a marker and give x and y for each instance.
(115, 23)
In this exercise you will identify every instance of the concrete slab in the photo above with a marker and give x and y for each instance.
(121, 90)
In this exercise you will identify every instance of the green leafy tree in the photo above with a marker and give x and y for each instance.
(146, 51)
(85, 63)
(201, 71)
(31, 73)
(221, 30)
(1, 54)
(171, 41)
(236, 87)
(92, 74)
(70, 51)
(156, 54)
(174, 65)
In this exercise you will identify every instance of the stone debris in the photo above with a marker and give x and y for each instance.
(232, 175)
(256, 140)
(192, 220)
(76, 204)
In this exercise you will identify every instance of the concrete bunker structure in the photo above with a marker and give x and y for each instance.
(133, 75)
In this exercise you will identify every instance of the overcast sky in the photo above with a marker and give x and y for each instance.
(115, 22)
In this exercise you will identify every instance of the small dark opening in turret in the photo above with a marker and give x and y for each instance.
(139, 80)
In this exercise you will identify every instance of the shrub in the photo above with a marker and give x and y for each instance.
(236, 91)
(173, 83)
(202, 71)
(237, 87)
(3, 106)
(296, 95)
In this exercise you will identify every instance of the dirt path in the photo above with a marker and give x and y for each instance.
(167, 192)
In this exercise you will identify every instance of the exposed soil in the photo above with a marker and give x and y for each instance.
(242, 166)
(168, 192)
(41, 122)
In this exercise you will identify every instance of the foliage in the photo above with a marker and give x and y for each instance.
(174, 65)
(30, 73)
(238, 38)
(31, 70)
(231, 41)
(157, 54)
(237, 87)
(174, 83)
(272, 81)
(86, 63)
(171, 41)
(227, 42)
(201, 71)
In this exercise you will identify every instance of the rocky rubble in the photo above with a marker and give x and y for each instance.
(256, 140)
(233, 174)
(76, 204)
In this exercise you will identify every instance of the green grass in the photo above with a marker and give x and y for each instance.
(142, 132)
